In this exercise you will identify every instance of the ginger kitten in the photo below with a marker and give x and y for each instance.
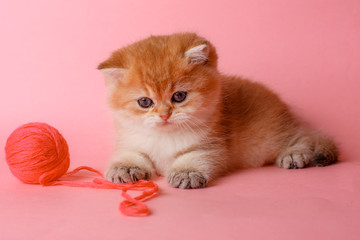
(177, 116)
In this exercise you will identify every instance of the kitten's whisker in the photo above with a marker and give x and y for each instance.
(204, 130)
(196, 129)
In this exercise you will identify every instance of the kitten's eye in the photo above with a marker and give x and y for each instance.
(179, 96)
(145, 102)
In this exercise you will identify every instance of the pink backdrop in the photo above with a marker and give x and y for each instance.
(306, 50)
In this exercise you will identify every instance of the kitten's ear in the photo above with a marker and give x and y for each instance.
(198, 54)
(113, 75)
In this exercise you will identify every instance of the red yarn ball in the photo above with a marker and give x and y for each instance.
(37, 153)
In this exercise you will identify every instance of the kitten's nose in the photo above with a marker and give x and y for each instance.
(165, 116)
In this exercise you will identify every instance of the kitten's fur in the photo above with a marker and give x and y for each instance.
(224, 123)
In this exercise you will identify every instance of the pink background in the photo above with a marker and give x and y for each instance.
(306, 50)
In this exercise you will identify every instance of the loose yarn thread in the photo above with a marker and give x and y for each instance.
(38, 154)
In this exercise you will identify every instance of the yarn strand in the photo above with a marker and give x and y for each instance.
(130, 206)
(90, 169)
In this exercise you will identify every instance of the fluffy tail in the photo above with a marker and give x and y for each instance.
(325, 152)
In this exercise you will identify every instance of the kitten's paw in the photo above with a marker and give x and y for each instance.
(187, 179)
(120, 173)
(294, 160)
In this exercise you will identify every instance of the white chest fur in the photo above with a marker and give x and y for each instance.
(161, 146)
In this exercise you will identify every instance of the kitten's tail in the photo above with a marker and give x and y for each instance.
(326, 152)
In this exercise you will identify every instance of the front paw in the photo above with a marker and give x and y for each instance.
(294, 160)
(187, 179)
(120, 173)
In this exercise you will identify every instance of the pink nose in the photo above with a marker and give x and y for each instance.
(165, 116)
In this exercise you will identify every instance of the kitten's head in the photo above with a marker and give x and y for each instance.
(164, 82)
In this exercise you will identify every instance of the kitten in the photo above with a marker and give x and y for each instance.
(177, 116)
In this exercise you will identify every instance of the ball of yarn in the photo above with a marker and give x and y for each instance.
(37, 153)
